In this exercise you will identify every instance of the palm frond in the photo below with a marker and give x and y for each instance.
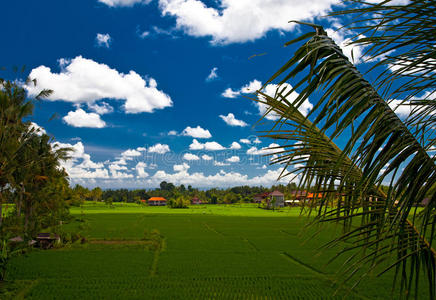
(379, 145)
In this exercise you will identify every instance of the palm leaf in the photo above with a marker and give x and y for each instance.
(379, 145)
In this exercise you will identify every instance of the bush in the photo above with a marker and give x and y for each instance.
(179, 202)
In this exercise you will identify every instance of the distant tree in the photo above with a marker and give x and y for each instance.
(96, 194)
(108, 201)
(179, 202)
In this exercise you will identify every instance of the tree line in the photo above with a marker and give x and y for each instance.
(238, 194)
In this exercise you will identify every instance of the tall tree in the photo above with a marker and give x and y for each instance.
(379, 145)
(14, 106)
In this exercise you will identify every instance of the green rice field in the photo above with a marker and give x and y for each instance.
(206, 252)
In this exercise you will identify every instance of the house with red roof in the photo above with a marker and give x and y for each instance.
(259, 197)
(276, 199)
(195, 200)
(157, 201)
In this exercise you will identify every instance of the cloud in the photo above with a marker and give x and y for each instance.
(212, 75)
(172, 132)
(159, 148)
(101, 109)
(404, 109)
(87, 163)
(250, 87)
(229, 93)
(190, 156)
(126, 3)
(140, 169)
(103, 40)
(270, 90)
(220, 164)
(221, 179)
(265, 150)
(84, 80)
(236, 21)
(232, 121)
(181, 168)
(81, 118)
(233, 159)
(197, 132)
(206, 157)
(80, 166)
(212, 146)
(245, 141)
(144, 34)
(235, 145)
(38, 130)
(130, 153)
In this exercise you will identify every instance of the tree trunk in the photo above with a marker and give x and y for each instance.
(20, 201)
(1, 208)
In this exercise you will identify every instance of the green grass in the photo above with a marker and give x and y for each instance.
(210, 251)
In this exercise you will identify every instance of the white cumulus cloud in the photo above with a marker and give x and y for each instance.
(265, 150)
(197, 132)
(270, 90)
(159, 148)
(140, 169)
(84, 80)
(233, 159)
(181, 168)
(235, 145)
(80, 118)
(101, 109)
(190, 156)
(206, 157)
(237, 21)
(212, 146)
(232, 121)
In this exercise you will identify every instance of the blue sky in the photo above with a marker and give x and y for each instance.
(152, 90)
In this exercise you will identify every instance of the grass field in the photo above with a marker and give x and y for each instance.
(208, 252)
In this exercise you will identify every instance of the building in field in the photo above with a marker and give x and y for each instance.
(276, 199)
(196, 200)
(157, 201)
(259, 197)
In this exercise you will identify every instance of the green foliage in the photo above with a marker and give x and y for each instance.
(108, 201)
(380, 222)
(179, 202)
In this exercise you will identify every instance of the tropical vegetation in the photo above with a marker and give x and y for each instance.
(381, 147)
(32, 181)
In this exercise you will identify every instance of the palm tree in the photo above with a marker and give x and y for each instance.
(380, 147)
(39, 167)
(14, 132)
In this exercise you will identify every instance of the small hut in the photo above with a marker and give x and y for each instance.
(157, 201)
(46, 240)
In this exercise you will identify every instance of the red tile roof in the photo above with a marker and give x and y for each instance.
(157, 199)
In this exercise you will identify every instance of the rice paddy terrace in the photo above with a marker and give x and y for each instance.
(204, 252)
